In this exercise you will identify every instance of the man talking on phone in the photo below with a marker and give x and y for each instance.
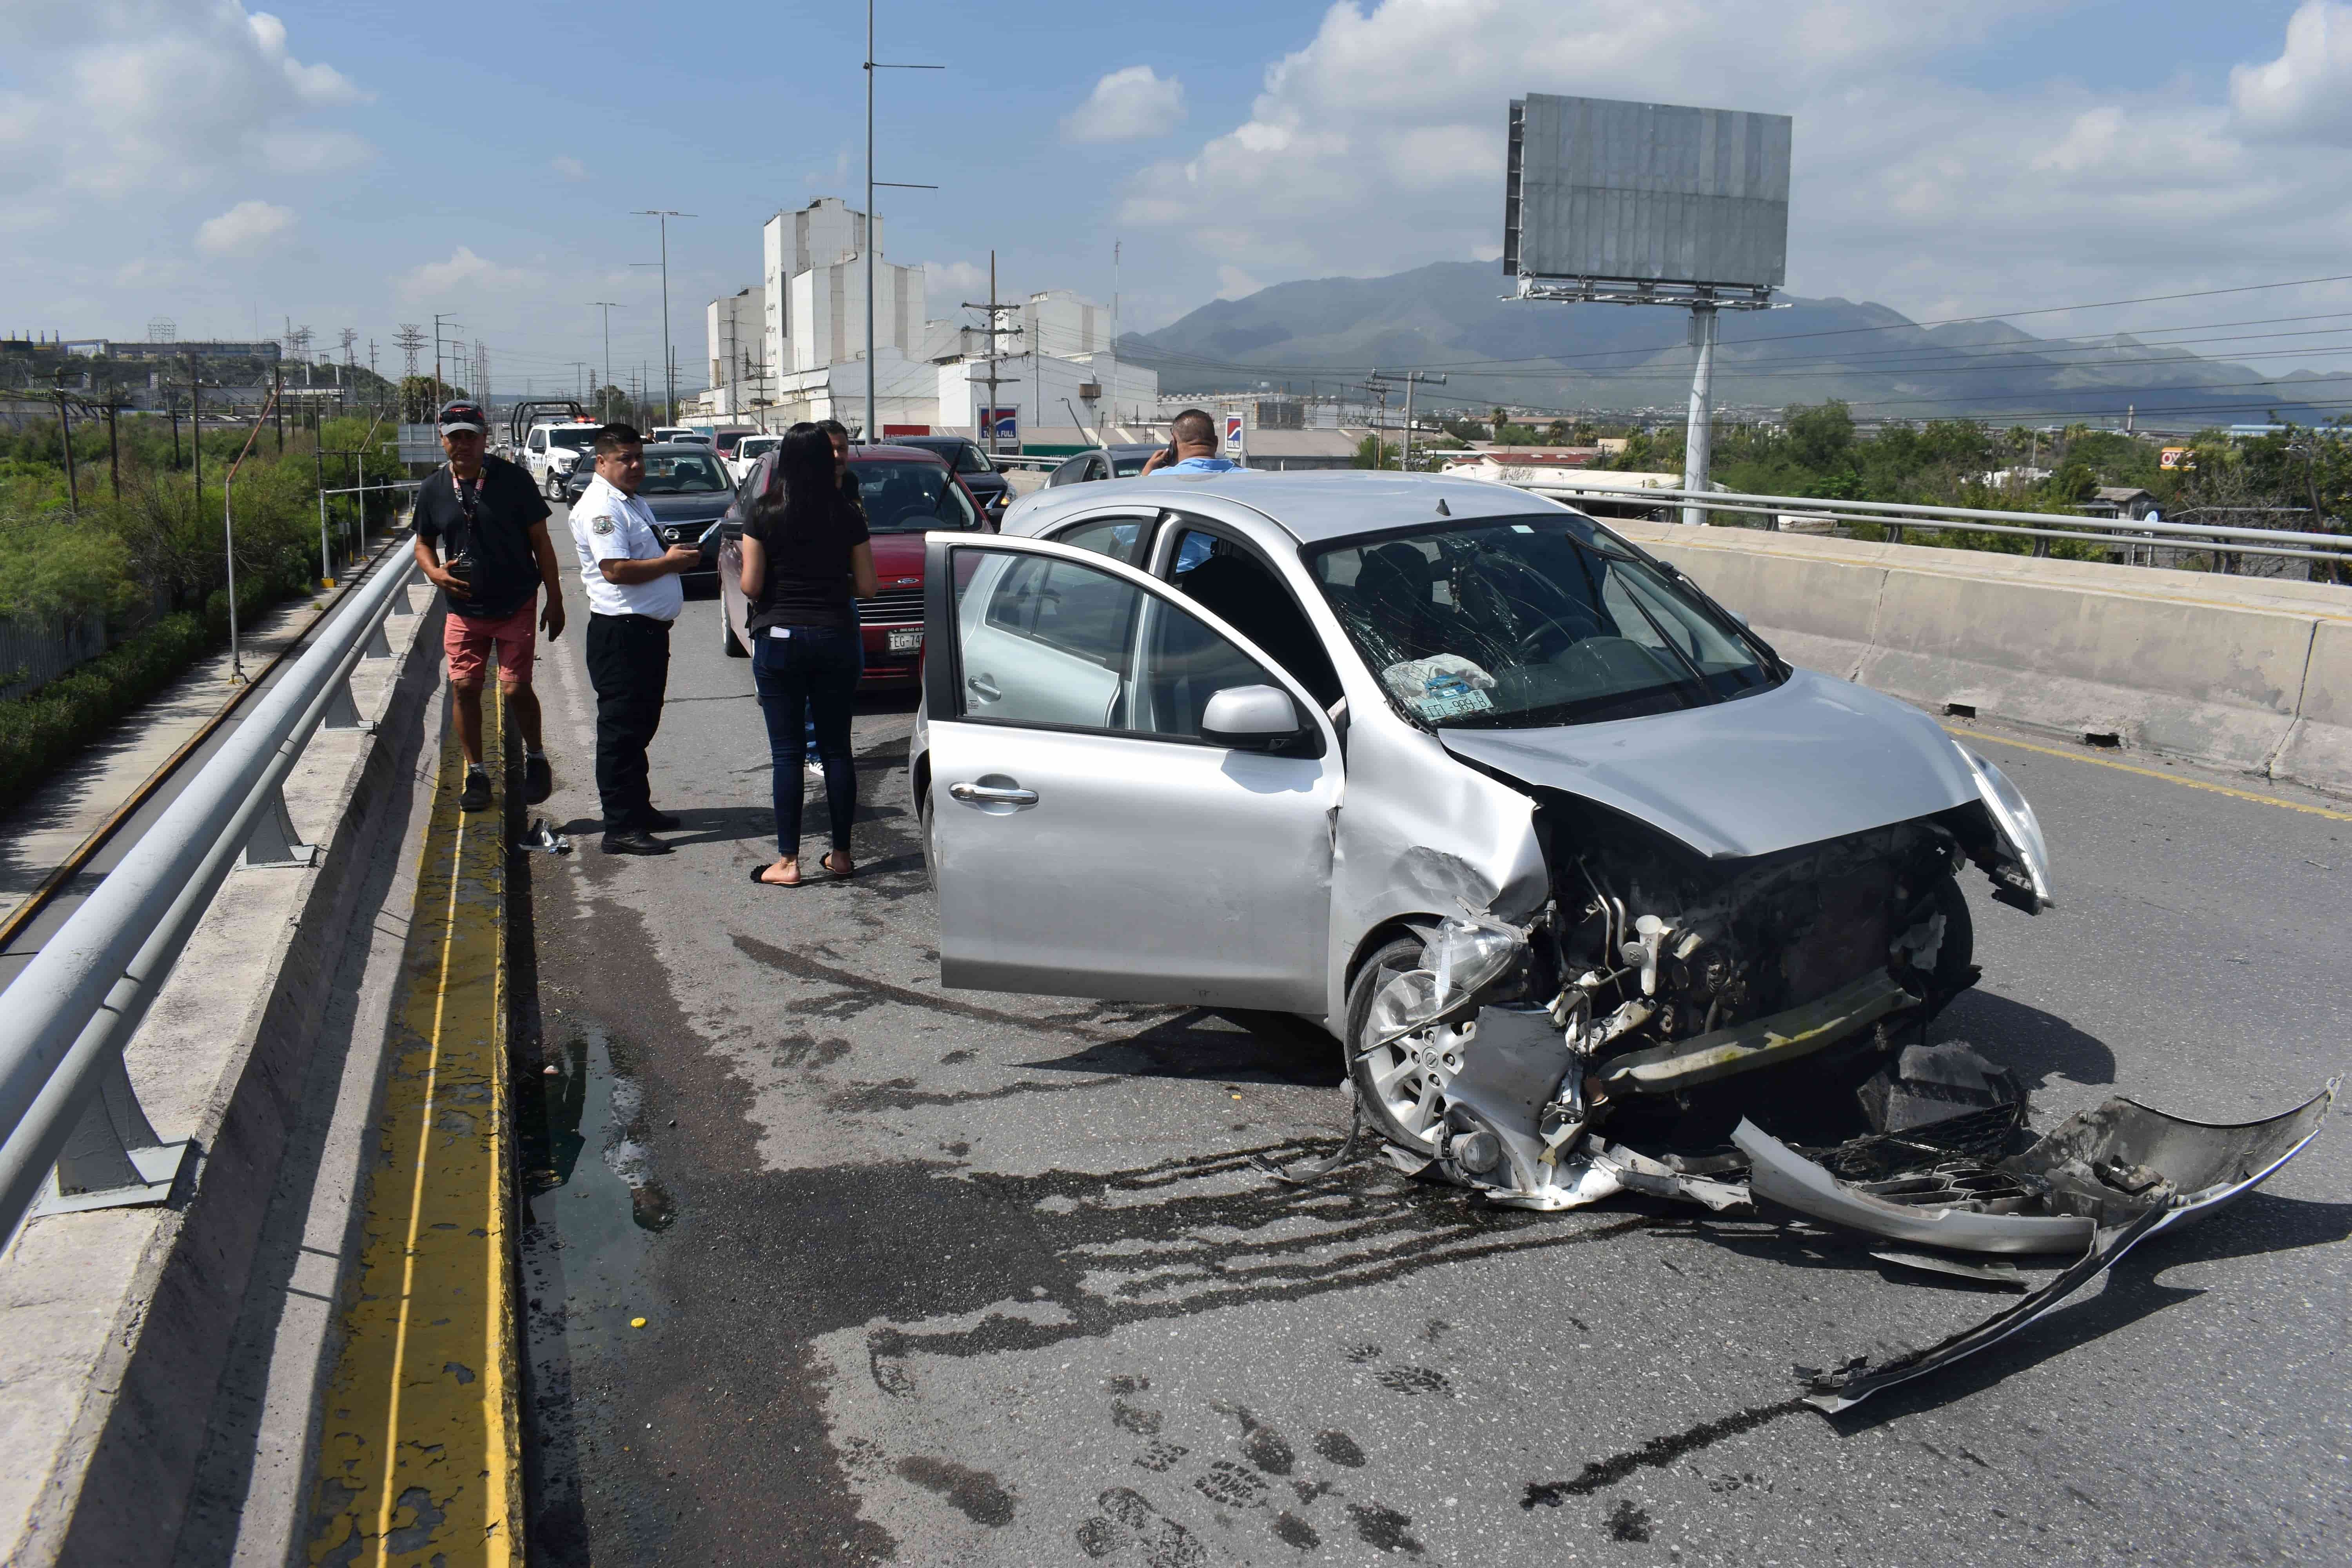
(481, 539)
(1192, 447)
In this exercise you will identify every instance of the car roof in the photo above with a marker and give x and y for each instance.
(1314, 508)
(889, 451)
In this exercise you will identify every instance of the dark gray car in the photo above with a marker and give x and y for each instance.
(688, 489)
(972, 465)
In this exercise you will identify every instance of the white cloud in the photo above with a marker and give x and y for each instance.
(246, 229)
(2305, 94)
(1233, 283)
(1126, 106)
(571, 168)
(964, 280)
(135, 96)
(319, 85)
(462, 275)
(1378, 145)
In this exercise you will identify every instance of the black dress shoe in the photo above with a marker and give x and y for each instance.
(635, 841)
(537, 780)
(475, 795)
(659, 822)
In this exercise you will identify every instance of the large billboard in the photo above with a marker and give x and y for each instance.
(1646, 193)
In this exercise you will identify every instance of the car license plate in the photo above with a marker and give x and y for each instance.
(906, 642)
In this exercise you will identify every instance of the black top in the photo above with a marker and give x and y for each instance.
(807, 582)
(504, 506)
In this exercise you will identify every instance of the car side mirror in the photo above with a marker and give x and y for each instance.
(1258, 719)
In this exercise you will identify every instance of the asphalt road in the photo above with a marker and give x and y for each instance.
(951, 1278)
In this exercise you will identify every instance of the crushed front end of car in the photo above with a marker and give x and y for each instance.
(1653, 974)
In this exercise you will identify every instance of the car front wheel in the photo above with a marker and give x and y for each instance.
(1400, 1094)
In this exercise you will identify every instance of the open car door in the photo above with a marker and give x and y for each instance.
(1126, 799)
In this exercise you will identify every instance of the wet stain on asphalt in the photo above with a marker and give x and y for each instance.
(1656, 1454)
(1384, 1528)
(1341, 1449)
(975, 1492)
(1627, 1522)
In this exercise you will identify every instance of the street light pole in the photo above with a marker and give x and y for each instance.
(606, 394)
(873, 219)
(669, 411)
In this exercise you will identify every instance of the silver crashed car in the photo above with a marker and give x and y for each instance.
(1541, 833)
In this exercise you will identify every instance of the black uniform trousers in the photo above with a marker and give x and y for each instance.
(628, 663)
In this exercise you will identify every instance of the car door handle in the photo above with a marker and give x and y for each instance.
(982, 688)
(992, 795)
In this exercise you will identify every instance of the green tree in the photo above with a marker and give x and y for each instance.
(1820, 438)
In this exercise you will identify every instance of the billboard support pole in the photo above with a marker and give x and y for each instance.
(1698, 440)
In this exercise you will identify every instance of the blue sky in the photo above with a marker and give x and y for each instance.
(363, 163)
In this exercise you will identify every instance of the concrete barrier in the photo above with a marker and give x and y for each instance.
(115, 1325)
(2247, 674)
(2318, 751)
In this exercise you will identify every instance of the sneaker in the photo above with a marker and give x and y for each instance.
(537, 780)
(475, 795)
(636, 841)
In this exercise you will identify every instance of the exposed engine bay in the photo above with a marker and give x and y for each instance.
(1652, 972)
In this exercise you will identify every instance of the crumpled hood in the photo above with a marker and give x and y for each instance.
(1812, 759)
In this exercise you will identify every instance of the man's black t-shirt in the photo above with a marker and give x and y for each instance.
(503, 504)
(808, 566)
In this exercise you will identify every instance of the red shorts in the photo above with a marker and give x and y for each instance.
(466, 640)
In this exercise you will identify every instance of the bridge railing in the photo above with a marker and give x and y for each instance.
(1768, 511)
(65, 1099)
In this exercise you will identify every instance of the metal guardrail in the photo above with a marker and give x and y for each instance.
(65, 1099)
(2227, 538)
(1017, 460)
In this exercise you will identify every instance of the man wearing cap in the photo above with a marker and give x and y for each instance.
(481, 538)
(633, 594)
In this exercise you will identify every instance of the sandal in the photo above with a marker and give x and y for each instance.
(760, 875)
(838, 876)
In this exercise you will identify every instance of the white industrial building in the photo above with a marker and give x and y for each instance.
(794, 347)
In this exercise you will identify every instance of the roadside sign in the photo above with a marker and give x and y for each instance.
(1236, 447)
(1006, 420)
(420, 444)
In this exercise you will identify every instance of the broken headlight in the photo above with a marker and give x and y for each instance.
(2013, 818)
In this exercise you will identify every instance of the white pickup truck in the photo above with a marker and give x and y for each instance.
(552, 449)
(748, 453)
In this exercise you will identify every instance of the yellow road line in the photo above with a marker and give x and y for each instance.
(419, 1457)
(2154, 774)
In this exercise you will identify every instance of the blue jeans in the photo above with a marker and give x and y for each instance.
(809, 681)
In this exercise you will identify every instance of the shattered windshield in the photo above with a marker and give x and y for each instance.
(1517, 623)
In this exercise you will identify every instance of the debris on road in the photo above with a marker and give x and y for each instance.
(1506, 1092)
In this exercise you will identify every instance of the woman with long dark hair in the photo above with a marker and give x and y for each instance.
(805, 556)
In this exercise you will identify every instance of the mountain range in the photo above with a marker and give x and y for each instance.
(1449, 318)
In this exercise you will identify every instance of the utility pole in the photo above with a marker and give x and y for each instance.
(992, 306)
(665, 215)
(440, 387)
(1412, 378)
(197, 434)
(65, 439)
(607, 305)
(113, 452)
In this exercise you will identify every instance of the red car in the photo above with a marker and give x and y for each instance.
(906, 493)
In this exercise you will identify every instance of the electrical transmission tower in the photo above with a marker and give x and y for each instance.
(410, 341)
(347, 337)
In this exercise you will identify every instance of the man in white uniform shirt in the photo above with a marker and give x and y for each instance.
(633, 594)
